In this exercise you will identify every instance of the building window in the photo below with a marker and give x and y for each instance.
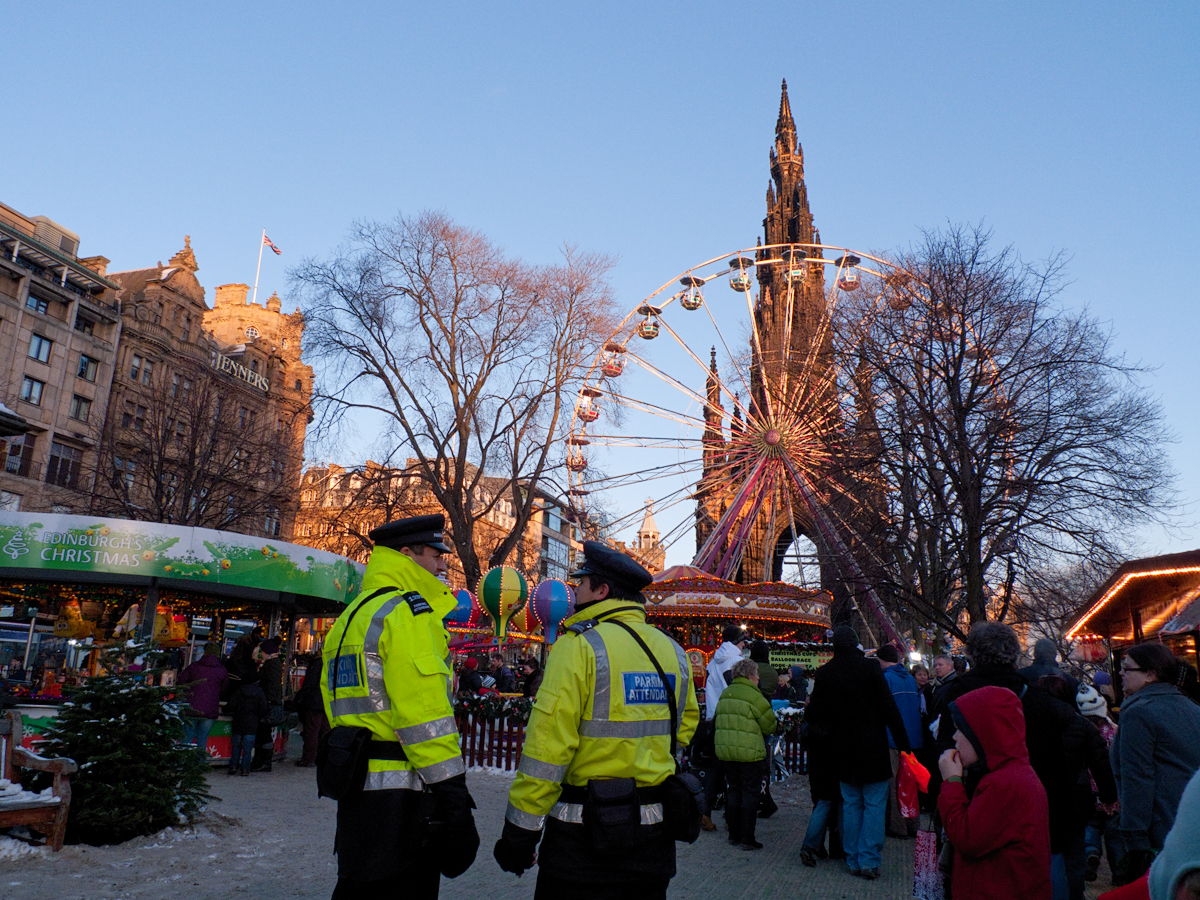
(10, 501)
(37, 304)
(126, 470)
(88, 367)
(18, 456)
(31, 390)
(134, 416)
(180, 387)
(63, 468)
(141, 369)
(253, 365)
(39, 348)
(271, 525)
(84, 326)
(299, 385)
(555, 559)
(81, 408)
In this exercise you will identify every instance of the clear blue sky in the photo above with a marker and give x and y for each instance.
(636, 129)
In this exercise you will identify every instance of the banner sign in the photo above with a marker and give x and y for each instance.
(57, 543)
(807, 659)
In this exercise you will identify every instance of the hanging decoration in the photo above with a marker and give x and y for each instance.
(502, 591)
(467, 612)
(553, 601)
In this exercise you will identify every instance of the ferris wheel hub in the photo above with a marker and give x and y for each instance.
(772, 437)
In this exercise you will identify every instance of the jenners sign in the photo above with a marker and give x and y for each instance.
(237, 370)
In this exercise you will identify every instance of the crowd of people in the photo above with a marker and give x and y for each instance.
(1037, 773)
(250, 683)
(495, 676)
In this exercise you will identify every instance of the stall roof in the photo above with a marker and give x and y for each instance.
(49, 547)
(1154, 591)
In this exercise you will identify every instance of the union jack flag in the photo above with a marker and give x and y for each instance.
(268, 242)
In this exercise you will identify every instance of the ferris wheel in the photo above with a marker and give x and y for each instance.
(734, 410)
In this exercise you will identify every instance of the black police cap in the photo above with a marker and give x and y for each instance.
(411, 532)
(613, 566)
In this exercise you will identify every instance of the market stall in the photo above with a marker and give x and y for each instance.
(1151, 599)
(73, 585)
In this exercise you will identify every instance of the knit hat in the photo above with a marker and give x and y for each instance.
(271, 645)
(844, 636)
(471, 663)
(1090, 702)
(1101, 678)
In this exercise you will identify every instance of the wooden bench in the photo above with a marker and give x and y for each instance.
(47, 818)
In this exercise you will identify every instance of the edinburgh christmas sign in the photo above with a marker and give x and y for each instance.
(147, 549)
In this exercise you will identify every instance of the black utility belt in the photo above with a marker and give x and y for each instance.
(390, 750)
(578, 793)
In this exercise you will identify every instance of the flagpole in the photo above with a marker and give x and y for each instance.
(263, 240)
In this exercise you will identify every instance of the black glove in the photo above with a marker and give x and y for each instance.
(515, 849)
(453, 840)
(1136, 863)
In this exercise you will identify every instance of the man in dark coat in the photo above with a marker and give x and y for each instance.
(313, 723)
(852, 701)
(1063, 747)
(270, 676)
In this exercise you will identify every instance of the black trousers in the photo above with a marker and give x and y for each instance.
(743, 784)
(417, 883)
(551, 887)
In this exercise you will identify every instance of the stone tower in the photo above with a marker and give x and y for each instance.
(788, 370)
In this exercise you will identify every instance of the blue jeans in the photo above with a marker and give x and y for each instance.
(863, 809)
(195, 731)
(242, 751)
(824, 816)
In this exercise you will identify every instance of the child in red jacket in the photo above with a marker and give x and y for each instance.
(1001, 833)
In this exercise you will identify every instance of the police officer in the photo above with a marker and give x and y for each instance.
(385, 664)
(600, 715)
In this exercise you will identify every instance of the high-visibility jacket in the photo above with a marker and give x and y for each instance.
(601, 712)
(386, 668)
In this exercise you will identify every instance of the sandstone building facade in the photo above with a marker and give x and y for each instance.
(142, 401)
(60, 325)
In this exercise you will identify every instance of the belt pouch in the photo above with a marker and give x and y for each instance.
(342, 761)
(683, 805)
(612, 814)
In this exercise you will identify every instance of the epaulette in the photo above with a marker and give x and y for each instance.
(583, 627)
(416, 603)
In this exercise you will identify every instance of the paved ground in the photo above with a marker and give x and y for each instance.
(271, 838)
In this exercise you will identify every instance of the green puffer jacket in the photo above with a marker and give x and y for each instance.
(743, 716)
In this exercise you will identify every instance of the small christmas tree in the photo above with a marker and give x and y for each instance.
(133, 778)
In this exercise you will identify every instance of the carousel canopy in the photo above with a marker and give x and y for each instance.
(693, 593)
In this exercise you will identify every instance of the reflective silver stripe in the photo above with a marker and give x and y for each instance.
(443, 770)
(393, 780)
(685, 676)
(525, 820)
(567, 812)
(602, 694)
(652, 813)
(376, 689)
(535, 768)
(607, 728)
(427, 731)
(353, 706)
(375, 629)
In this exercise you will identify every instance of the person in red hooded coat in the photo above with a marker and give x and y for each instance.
(1001, 833)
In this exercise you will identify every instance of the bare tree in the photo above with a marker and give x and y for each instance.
(1007, 434)
(195, 449)
(469, 357)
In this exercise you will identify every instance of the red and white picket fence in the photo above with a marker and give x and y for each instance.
(495, 743)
